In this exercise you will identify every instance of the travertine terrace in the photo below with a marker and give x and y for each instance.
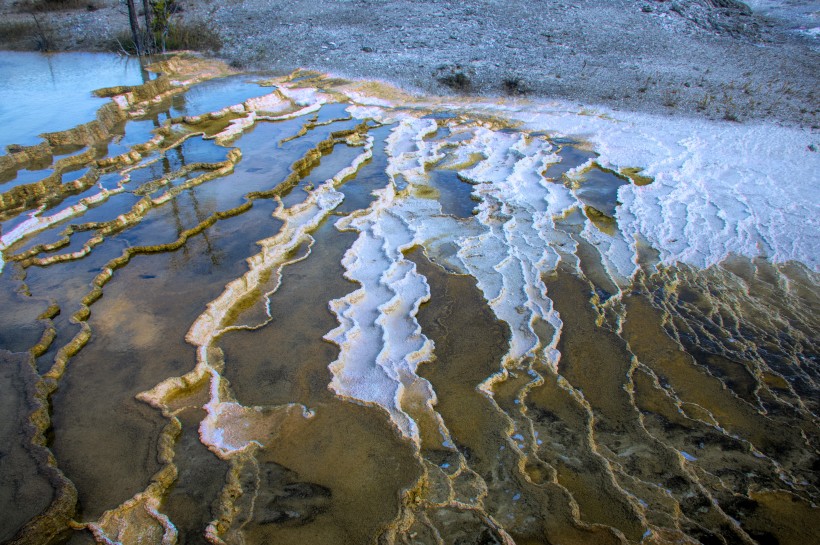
(304, 309)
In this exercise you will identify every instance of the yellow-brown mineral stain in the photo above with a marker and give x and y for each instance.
(678, 405)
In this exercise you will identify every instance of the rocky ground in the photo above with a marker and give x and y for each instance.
(721, 59)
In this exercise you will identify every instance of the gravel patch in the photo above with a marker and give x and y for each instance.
(720, 59)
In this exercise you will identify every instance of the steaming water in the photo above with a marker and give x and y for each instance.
(335, 314)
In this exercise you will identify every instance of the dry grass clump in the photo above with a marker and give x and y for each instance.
(17, 31)
(196, 36)
(26, 35)
(59, 5)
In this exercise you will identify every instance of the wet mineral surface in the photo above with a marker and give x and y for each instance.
(306, 310)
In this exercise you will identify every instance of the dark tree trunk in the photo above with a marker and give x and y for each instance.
(135, 26)
(149, 24)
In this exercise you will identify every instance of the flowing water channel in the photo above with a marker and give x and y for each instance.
(246, 310)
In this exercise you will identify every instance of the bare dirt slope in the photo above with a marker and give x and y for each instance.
(717, 58)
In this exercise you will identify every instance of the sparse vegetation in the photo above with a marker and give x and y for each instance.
(454, 76)
(33, 34)
(645, 86)
(196, 36)
(569, 70)
(57, 5)
(42, 36)
(162, 32)
(730, 115)
(457, 80)
(123, 42)
(158, 22)
(729, 108)
(704, 103)
(670, 98)
(18, 31)
(514, 85)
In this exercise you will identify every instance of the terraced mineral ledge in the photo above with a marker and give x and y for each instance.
(309, 310)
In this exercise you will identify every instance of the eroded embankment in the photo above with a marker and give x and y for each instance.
(337, 313)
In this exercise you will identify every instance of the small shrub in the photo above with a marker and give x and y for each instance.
(704, 102)
(729, 108)
(730, 115)
(514, 86)
(123, 42)
(454, 76)
(457, 80)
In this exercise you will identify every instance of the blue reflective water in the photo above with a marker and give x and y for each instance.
(53, 92)
(214, 95)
